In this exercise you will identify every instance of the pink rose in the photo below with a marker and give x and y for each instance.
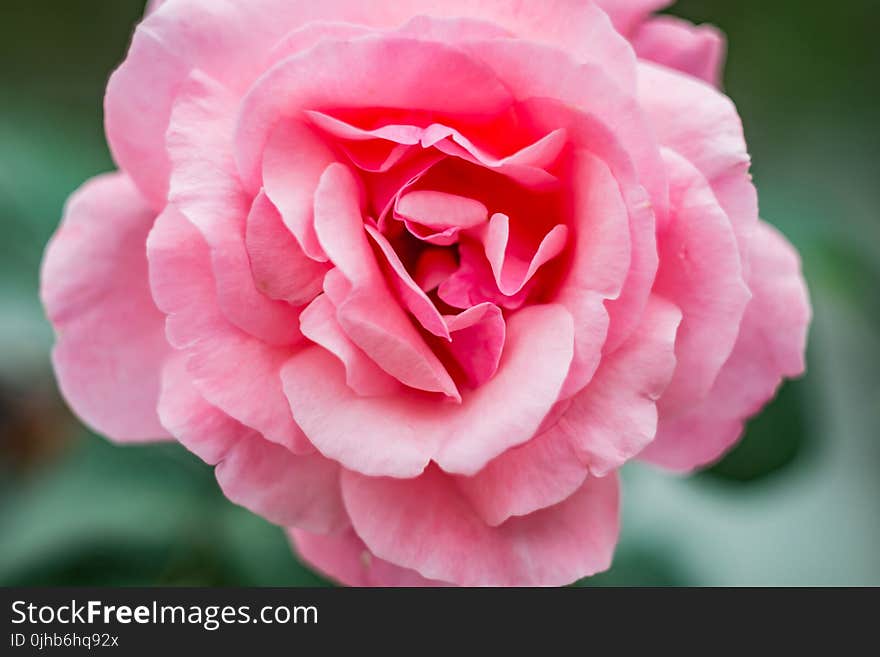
(419, 276)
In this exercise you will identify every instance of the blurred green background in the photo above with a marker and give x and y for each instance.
(797, 503)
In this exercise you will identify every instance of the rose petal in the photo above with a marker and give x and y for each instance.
(344, 558)
(433, 267)
(512, 272)
(94, 286)
(700, 272)
(294, 159)
(601, 252)
(362, 375)
(703, 126)
(232, 370)
(770, 346)
(605, 425)
(627, 15)
(260, 476)
(477, 340)
(398, 435)
(680, 45)
(369, 315)
(440, 210)
(344, 73)
(281, 270)
(414, 298)
(235, 43)
(427, 525)
(204, 186)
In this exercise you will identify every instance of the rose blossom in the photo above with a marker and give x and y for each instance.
(419, 276)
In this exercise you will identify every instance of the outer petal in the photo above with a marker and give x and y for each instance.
(344, 74)
(531, 71)
(281, 270)
(606, 120)
(605, 425)
(294, 159)
(235, 42)
(94, 285)
(427, 525)
(344, 558)
(599, 264)
(398, 435)
(627, 15)
(702, 125)
(770, 346)
(362, 375)
(259, 475)
(204, 186)
(675, 43)
(232, 370)
(700, 272)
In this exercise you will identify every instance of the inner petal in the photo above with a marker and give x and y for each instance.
(478, 335)
(368, 313)
(511, 270)
(412, 296)
(437, 217)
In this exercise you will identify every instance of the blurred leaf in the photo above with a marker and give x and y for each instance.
(772, 441)
(136, 515)
(640, 565)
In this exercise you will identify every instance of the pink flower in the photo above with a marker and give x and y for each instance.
(419, 276)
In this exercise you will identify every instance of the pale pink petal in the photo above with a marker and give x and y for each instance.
(615, 416)
(94, 285)
(386, 189)
(531, 71)
(413, 297)
(398, 435)
(441, 210)
(416, 76)
(599, 118)
(400, 134)
(473, 282)
(260, 476)
(680, 45)
(703, 126)
(605, 425)
(527, 166)
(294, 159)
(601, 252)
(319, 324)
(512, 272)
(203, 429)
(477, 336)
(344, 558)
(426, 524)
(284, 488)
(700, 272)
(280, 268)
(204, 186)
(770, 346)
(232, 370)
(627, 15)
(542, 472)
(369, 315)
(236, 42)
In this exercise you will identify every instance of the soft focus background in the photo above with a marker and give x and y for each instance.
(797, 503)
